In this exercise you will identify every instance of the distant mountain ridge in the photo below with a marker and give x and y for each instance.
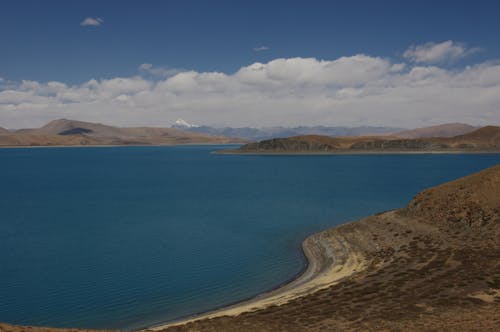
(72, 132)
(183, 132)
(256, 134)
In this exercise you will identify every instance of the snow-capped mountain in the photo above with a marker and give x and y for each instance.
(180, 123)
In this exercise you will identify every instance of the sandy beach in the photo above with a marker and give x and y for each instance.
(330, 258)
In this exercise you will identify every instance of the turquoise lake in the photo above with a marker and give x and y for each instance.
(125, 237)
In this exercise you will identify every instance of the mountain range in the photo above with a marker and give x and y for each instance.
(71, 132)
(257, 134)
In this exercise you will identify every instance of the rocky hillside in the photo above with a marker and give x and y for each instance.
(472, 201)
(4, 131)
(70, 132)
(483, 139)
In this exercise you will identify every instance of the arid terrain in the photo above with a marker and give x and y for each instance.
(485, 139)
(74, 133)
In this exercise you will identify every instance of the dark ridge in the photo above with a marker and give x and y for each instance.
(75, 131)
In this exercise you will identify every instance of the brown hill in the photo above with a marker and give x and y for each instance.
(488, 134)
(471, 201)
(444, 130)
(4, 131)
(483, 139)
(71, 127)
(47, 140)
(71, 132)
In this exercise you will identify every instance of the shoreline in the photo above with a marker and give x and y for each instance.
(235, 303)
(326, 264)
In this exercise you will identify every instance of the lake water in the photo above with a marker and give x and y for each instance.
(124, 237)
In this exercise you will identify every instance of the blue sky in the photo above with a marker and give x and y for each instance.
(43, 40)
(250, 63)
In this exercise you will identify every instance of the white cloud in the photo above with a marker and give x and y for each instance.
(310, 71)
(438, 52)
(92, 21)
(261, 48)
(349, 91)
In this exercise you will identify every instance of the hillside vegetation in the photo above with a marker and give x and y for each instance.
(482, 139)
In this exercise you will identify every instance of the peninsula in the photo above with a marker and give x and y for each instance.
(485, 139)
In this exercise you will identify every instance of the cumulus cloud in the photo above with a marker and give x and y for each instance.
(261, 48)
(92, 21)
(347, 91)
(438, 52)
